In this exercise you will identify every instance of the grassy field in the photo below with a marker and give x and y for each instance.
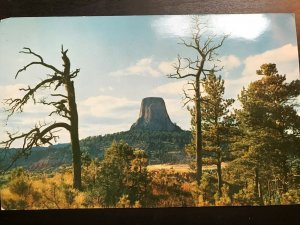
(181, 168)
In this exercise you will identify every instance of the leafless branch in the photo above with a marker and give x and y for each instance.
(41, 134)
(59, 95)
(187, 99)
(17, 104)
(75, 73)
(28, 51)
(61, 108)
(212, 49)
(179, 67)
(192, 64)
(41, 62)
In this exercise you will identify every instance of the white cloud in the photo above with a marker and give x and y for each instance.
(143, 67)
(103, 105)
(149, 67)
(285, 57)
(106, 89)
(100, 129)
(178, 114)
(10, 91)
(230, 62)
(106, 114)
(171, 88)
(167, 67)
(245, 26)
(167, 26)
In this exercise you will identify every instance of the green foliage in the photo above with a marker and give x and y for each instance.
(203, 193)
(225, 199)
(216, 123)
(89, 174)
(124, 202)
(69, 194)
(123, 171)
(85, 158)
(216, 118)
(20, 182)
(157, 144)
(269, 123)
(138, 180)
(291, 197)
(246, 196)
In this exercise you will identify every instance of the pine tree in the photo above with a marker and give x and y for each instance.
(216, 122)
(123, 172)
(270, 126)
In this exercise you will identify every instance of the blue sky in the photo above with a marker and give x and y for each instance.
(124, 59)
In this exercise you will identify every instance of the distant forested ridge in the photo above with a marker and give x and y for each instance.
(160, 146)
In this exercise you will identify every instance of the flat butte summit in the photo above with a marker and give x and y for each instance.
(154, 116)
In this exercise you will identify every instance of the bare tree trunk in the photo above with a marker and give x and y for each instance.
(206, 52)
(74, 125)
(258, 188)
(75, 141)
(43, 133)
(219, 171)
(285, 175)
(260, 194)
(198, 137)
(219, 159)
(269, 192)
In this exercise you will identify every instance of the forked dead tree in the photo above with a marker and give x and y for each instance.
(64, 106)
(195, 70)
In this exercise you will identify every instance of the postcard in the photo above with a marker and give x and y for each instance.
(149, 111)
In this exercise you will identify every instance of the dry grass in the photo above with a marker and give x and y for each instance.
(181, 168)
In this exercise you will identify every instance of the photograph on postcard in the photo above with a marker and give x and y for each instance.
(149, 111)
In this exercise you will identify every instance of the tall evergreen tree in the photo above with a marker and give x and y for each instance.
(270, 126)
(216, 122)
(123, 171)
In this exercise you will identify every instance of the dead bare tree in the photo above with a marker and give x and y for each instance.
(65, 106)
(195, 70)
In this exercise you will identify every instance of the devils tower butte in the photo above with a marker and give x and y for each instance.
(154, 116)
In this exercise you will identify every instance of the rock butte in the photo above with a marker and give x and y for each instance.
(154, 116)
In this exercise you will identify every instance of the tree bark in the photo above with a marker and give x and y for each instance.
(74, 124)
(219, 171)
(219, 157)
(75, 139)
(258, 188)
(285, 175)
(198, 138)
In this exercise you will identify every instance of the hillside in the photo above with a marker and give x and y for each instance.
(153, 132)
(161, 147)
